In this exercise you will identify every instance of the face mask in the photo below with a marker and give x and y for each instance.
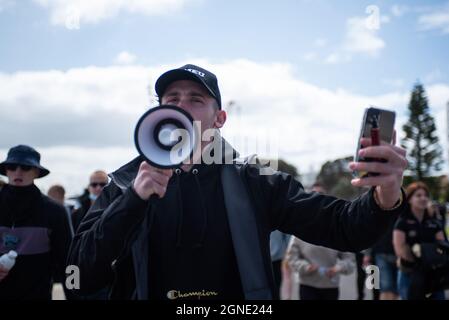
(92, 197)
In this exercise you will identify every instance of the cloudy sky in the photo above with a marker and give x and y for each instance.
(75, 75)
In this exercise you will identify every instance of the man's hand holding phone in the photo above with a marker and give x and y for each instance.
(388, 182)
(378, 162)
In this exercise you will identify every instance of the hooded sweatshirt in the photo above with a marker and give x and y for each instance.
(191, 240)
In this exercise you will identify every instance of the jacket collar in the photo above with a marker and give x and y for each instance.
(124, 175)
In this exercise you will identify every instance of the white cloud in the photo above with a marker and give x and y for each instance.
(72, 165)
(125, 57)
(395, 82)
(320, 42)
(337, 57)
(84, 119)
(310, 56)
(63, 12)
(437, 20)
(360, 38)
(433, 76)
(399, 10)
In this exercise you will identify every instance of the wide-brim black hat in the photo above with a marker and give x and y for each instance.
(24, 155)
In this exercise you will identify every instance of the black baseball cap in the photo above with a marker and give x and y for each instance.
(190, 72)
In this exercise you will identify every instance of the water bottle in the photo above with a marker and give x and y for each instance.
(8, 260)
(322, 271)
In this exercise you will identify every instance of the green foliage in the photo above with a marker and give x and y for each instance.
(336, 177)
(421, 140)
(284, 166)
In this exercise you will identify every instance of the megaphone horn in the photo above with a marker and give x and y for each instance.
(165, 136)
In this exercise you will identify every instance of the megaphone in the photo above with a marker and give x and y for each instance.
(165, 136)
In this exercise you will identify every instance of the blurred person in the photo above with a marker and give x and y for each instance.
(415, 226)
(287, 280)
(278, 246)
(208, 229)
(57, 193)
(361, 275)
(319, 268)
(439, 212)
(367, 261)
(382, 254)
(34, 226)
(97, 181)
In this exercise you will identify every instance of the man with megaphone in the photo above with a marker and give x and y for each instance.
(201, 231)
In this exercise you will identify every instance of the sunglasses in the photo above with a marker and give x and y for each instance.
(13, 167)
(96, 184)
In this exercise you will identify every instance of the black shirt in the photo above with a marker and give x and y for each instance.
(418, 232)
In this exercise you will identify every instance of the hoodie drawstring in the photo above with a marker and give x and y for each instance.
(181, 210)
(203, 205)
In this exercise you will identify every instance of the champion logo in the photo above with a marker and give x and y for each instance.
(201, 74)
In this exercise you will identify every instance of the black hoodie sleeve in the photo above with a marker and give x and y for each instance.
(320, 219)
(102, 235)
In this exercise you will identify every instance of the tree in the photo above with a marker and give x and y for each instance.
(336, 177)
(284, 166)
(421, 140)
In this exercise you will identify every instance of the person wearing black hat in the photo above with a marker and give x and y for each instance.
(34, 226)
(207, 235)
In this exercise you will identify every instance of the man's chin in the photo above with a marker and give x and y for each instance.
(19, 183)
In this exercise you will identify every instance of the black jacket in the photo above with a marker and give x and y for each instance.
(37, 228)
(79, 213)
(111, 246)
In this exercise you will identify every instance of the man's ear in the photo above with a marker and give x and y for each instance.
(220, 119)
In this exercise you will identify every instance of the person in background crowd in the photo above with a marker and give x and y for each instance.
(287, 280)
(319, 268)
(415, 226)
(278, 246)
(34, 226)
(57, 193)
(383, 256)
(97, 181)
(439, 212)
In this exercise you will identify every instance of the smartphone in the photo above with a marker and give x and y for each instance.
(377, 124)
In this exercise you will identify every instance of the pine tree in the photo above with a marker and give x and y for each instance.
(421, 140)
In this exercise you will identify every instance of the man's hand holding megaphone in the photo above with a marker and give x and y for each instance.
(157, 137)
(151, 180)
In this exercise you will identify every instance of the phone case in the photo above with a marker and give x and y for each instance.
(377, 124)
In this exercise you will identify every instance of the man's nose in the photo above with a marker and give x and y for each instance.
(182, 102)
